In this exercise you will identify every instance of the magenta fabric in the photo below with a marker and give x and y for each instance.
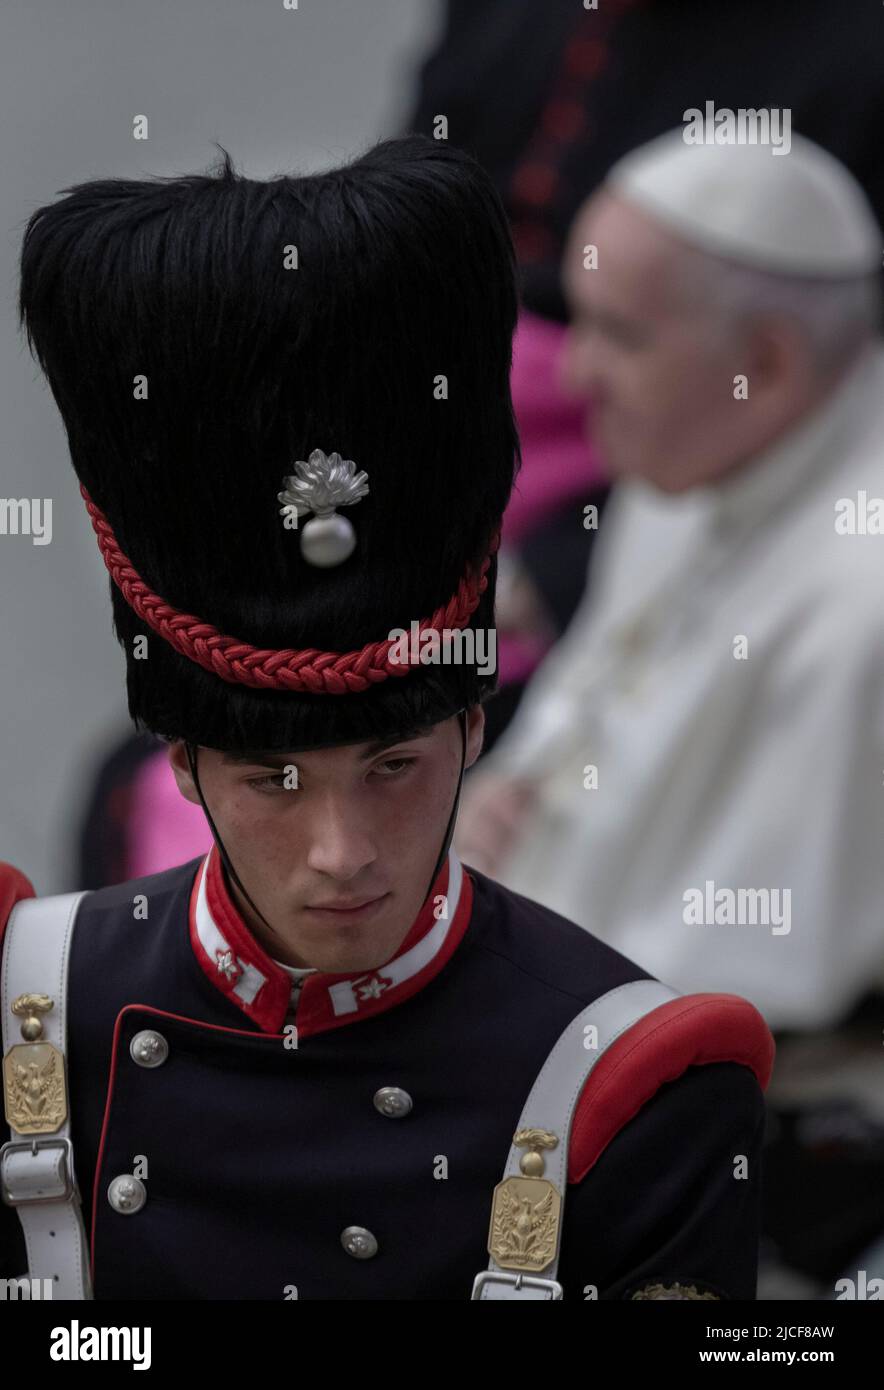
(518, 656)
(164, 828)
(557, 462)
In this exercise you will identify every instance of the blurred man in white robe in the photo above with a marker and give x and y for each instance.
(697, 772)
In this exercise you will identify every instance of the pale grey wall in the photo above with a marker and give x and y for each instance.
(279, 89)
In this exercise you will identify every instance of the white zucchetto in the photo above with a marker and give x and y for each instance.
(802, 213)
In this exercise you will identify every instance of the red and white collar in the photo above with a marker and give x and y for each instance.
(236, 965)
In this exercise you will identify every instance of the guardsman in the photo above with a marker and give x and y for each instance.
(329, 1060)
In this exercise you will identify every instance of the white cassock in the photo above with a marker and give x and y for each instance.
(717, 772)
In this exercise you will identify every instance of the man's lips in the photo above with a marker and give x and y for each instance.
(347, 907)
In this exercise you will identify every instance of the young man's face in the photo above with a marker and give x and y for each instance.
(364, 825)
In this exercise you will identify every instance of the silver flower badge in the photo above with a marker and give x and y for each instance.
(319, 486)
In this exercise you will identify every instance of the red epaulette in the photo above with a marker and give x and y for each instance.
(690, 1031)
(13, 887)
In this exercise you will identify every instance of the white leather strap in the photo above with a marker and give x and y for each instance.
(37, 1172)
(551, 1106)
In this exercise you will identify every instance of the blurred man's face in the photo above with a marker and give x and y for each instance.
(659, 375)
(339, 865)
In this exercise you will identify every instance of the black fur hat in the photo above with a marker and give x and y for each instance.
(201, 335)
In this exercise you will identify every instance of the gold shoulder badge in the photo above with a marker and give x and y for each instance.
(525, 1212)
(673, 1292)
(35, 1094)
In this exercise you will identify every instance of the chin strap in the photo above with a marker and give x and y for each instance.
(192, 751)
(446, 843)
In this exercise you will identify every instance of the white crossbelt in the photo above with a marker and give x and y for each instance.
(37, 1172)
(551, 1105)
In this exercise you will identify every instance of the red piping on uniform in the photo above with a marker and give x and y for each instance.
(318, 1018)
(157, 1013)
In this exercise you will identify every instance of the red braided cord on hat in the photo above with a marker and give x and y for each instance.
(310, 670)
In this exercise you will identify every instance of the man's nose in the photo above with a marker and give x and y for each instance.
(342, 843)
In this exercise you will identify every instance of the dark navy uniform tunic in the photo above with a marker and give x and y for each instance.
(259, 1154)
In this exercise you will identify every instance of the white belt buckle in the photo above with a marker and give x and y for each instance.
(518, 1281)
(64, 1193)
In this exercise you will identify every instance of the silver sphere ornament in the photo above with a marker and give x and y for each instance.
(319, 485)
(327, 541)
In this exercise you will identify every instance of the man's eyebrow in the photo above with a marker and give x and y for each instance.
(282, 760)
(257, 758)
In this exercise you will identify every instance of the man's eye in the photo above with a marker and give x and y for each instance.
(272, 783)
(394, 767)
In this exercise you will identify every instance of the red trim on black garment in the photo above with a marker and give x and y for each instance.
(689, 1031)
(692, 1030)
(14, 886)
(565, 121)
(316, 1013)
(268, 1009)
(112, 1076)
(320, 1018)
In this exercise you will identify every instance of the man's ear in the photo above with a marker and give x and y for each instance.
(475, 733)
(779, 357)
(181, 768)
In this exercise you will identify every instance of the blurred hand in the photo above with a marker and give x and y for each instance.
(519, 609)
(492, 812)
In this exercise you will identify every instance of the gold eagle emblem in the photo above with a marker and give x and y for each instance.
(524, 1223)
(35, 1092)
